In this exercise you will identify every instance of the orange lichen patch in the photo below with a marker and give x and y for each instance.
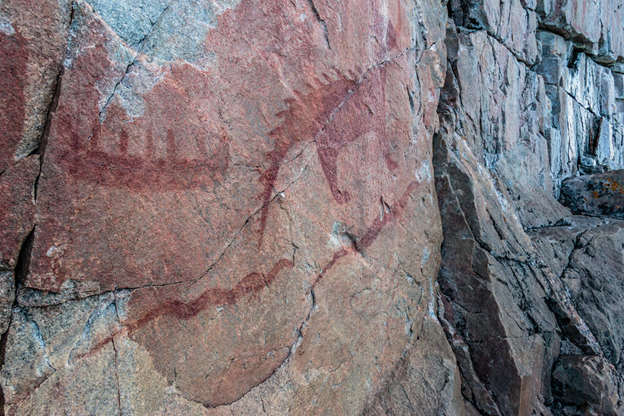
(614, 186)
(596, 194)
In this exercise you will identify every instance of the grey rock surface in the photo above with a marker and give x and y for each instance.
(586, 384)
(523, 280)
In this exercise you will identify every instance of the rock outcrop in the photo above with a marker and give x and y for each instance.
(597, 194)
(311, 207)
(530, 101)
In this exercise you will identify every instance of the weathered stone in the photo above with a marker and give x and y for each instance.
(584, 131)
(17, 218)
(588, 255)
(598, 194)
(591, 85)
(506, 137)
(33, 37)
(427, 381)
(595, 26)
(554, 56)
(510, 22)
(17, 208)
(578, 20)
(90, 386)
(588, 383)
(310, 207)
(251, 180)
(502, 355)
(508, 309)
(26, 363)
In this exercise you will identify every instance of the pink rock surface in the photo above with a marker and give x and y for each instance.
(229, 207)
(249, 206)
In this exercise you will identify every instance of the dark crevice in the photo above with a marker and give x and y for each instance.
(43, 142)
(594, 137)
(318, 17)
(116, 363)
(23, 260)
(3, 345)
(40, 150)
(20, 272)
(573, 61)
(410, 97)
(562, 222)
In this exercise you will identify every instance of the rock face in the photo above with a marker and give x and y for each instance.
(235, 212)
(306, 207)
(523, 281)
(586, 382)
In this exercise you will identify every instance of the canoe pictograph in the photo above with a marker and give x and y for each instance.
(156, 168)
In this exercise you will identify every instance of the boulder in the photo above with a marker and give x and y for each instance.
(598, 194)
(586, 385)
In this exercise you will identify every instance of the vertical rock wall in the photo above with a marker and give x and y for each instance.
(531, 98)
(310, 207)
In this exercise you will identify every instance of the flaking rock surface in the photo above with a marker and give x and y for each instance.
(311, 207)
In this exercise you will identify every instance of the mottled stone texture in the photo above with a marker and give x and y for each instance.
(311, 207)
(235, 209)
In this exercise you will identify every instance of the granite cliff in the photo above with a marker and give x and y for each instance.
(370, 207)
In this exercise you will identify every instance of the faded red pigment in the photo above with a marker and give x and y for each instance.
(309, 117)
(250, 284)
(312, 116)
(333, 114)
(228, 129)
(372, 232)
(254, 282)
(13, 67)
(141, 172)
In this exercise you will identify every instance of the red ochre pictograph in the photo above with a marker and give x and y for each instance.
(146, 171)
(331, 114)
(255, 282)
